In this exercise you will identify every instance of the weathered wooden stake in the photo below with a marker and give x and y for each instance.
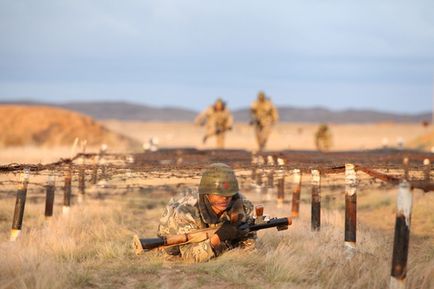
(350, 206)
(402, 236)
(405, 163)
(49, 199)
(259, 210)
(270, 179)
(67, 190)
(81, 184)
(20, 203)
(81, 181)
(280, 174)
(296, 189)
(254, 164)
(316, 201)
(259, 175)
(259, 180)
(95, 171)
(102, 161)
(427, 169)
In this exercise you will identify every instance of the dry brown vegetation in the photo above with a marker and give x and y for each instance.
(48, 127)
(91, 247)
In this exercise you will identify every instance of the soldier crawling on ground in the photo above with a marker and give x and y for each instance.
(263, 116)
(218, 120)
(218, 202)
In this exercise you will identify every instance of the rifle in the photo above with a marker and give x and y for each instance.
(216, 132)
(145, 245)
(256, 122)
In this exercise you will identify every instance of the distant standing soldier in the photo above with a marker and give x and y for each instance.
(323, 138)
(218, 120)
(263, 116)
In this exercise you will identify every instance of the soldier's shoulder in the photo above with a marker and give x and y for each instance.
(269, 102)
(181, 214)
(209, 110)
(186, 202)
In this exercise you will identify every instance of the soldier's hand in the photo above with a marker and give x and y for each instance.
(229, 231)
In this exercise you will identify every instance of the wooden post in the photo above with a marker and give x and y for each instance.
(254, 164)
(270, 177)
(49, 199)
(259, 210)
(20, 203)
(405, 163)
(259, 175)
(402, 236)
(426, 170)
(95, 171)
(296, 189)
(350, 207)
(67, 190)
(102, 161)
(316, 201)
(103, 166)
(270, 180)
(81, 181)
(280, 173)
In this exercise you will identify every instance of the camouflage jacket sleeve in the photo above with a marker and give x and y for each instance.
(230, 120)
(274, 113)
(184, 219)
(203, 116)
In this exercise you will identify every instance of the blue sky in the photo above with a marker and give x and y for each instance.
(338, 54)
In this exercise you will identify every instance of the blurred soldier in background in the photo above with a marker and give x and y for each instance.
(323, 138)
(263, 115)
(218, 120)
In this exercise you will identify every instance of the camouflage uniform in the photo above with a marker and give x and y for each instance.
(323, 138)
(264, 114)
(217, 122)
(190, 213)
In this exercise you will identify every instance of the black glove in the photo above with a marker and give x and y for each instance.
(229, 231)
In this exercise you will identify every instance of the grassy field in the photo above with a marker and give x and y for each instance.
(91, 247)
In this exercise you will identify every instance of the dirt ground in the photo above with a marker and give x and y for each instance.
(297, 136)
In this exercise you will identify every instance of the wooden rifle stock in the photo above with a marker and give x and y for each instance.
(144, 245)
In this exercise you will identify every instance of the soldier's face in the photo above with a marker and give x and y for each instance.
(219, 203)
(218, 106)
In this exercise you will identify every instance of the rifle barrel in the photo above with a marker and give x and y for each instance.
(270, 224)
(152, 243)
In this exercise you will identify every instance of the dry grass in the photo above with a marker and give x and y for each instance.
(90, 248)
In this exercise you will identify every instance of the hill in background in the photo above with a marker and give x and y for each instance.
(139, 112)
(49, 126)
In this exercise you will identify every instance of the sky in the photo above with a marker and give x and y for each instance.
(332, 53)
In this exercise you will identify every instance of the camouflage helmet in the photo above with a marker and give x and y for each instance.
(219, 100)
(218, 179)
